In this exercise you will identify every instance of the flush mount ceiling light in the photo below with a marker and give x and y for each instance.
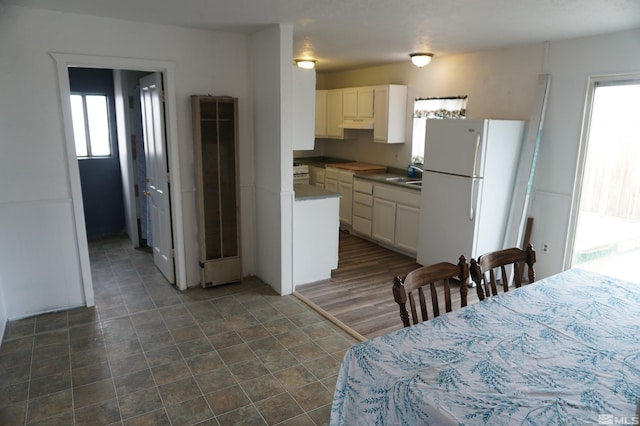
(420, 59)
(305, 63)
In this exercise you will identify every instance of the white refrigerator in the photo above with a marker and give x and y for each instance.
(467, 185)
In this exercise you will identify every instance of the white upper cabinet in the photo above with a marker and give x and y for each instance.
(321, 114)
(334, 114)
(390, 114)
(357, 103)
(381, 108)
(304, 101)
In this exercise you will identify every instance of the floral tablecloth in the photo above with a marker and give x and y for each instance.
(564, 350)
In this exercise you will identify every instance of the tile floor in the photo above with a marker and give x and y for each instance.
(147, 354)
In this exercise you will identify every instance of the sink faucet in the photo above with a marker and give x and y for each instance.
(411, 171)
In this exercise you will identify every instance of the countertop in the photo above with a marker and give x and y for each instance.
(312, 192)
(358, 167)
(319, 161)
(382, 178)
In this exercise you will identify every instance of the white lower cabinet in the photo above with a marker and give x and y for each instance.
(346, 202)
(341, 181)
(331, 184)
(316, 176)
(384, 221)
(362, 207)
(396, 217)
(407, 223)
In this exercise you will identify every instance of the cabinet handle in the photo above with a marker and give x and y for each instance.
(471, 199)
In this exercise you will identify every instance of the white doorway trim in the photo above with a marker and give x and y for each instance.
(167, 68)
(582, 157)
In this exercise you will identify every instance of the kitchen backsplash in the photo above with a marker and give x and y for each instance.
(360, 147)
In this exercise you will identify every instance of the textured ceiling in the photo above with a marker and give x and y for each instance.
(346, 34)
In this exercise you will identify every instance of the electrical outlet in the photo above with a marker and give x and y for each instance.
(545, 248)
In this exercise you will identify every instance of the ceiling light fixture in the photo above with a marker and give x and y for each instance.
(420, 59)
(305, 63)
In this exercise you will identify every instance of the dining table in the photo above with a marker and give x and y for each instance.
(562, 350)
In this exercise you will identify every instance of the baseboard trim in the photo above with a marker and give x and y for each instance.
(350, 331)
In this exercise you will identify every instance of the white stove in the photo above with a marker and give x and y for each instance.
(300, 174)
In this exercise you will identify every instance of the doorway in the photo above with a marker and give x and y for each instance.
(167, 70)
(606, 210)
(94, 123)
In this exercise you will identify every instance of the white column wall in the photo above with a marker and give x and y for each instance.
(272, 49)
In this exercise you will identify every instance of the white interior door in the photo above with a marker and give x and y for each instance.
(156, 186)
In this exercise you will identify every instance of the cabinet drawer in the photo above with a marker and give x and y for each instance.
(406, 196)
(365, 199)
(331, 173)
(346, 176)
(365, 187)
(362, 211)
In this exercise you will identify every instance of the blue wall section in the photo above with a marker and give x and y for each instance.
(100, 177)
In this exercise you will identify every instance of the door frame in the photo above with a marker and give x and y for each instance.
(167, 68)
(593, 80)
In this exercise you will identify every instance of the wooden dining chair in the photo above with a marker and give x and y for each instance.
(501, 259)
(439, 275)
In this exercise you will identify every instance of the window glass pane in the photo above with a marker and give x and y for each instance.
(417, 147)
(98, 125)
(79, 134)
(425, 108)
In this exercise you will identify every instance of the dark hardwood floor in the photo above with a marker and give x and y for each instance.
(359, 291)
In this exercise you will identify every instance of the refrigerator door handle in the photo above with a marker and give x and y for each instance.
(471, 199)
(475, 155)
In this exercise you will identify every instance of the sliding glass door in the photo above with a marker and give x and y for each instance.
(606, 218)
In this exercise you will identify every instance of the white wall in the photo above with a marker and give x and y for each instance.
(571, 62)
(272, 48)
(38, 251)
(501, 84)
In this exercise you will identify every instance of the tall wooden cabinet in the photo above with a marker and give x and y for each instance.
(215, 130)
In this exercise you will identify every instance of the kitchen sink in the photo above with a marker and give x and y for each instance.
(401, 179)
(404, 180)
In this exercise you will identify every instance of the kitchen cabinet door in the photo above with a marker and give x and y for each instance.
(346, 202)
(357, 103)
(384, 221)
(316, 176)
(334, 114)
(331, 185)
(390, 114)
(407, 228)
(321, 114)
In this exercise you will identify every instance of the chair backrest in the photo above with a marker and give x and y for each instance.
(434, 276)
(501, 259)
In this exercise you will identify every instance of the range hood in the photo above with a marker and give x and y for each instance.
(357, 124)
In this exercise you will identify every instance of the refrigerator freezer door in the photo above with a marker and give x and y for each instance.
(455, 147)
(449, 218)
